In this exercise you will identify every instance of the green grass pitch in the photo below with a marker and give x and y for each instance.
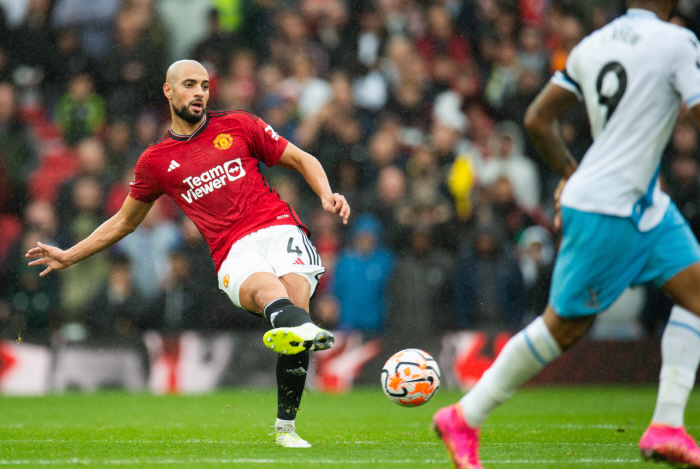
(561, 427)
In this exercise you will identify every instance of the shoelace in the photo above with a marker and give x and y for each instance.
(284, 429)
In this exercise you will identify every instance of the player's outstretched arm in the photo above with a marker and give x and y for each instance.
(309, 167)
(124, 222)
(542, 125)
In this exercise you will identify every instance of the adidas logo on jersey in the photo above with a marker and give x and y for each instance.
(298, 261)
(213, 179)
(173, 165)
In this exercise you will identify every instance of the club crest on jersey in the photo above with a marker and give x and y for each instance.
(213, 179)
(226, 280)
(223, 141)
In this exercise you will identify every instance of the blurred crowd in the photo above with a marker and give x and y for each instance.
(414, 108)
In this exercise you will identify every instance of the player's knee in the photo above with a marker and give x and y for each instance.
(566, 331)
(570, 337)
(264, 296)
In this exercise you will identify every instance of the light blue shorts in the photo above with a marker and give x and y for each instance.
(601, 255)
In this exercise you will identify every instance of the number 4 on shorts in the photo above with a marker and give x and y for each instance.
(295, 249)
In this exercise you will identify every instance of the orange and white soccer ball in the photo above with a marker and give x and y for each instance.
(410, 377)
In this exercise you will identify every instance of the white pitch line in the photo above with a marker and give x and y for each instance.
(123, 462)
(190, 441)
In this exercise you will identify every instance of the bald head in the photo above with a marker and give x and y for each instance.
(187, 88)
(182, 68)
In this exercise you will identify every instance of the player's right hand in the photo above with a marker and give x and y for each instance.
(336, 203)
(53, 257)
(557, 205)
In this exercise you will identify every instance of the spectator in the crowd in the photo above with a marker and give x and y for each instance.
(80, 284)
(441, 40)
(32, 301)
(239, 88)
(201, 266)
(68, 61)
(35, 38)
(216, 47)
(420, 292)
(304, 87)
(179, 305)
(118, 308)
(80, 113)
(526, 89)
(532, 55)
(148, 249)
(385, 201)
(92, 19)
(155, 32)
(17, 153)
(117, 150)
(504, 75)
(401, 61)
(293, 41)
(130, 71)
(569, 33)
(361, 276)
(407, 103)
(488, 290)
(536, 256)
(146, 132)
(41, 217)
(383, 150)
(93, 160)
(514, 217)
(507, 160)
(334, 131)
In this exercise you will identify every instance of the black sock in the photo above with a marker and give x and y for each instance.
(291, 377)
(283, 313)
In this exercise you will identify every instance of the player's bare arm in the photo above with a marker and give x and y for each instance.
(541, 121)
(309, 167)
(121, 224)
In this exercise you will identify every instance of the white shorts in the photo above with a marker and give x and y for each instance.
(280, 250)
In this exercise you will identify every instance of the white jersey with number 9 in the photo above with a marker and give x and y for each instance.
(632, 75)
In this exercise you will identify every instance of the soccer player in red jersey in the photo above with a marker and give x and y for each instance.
(208, 164)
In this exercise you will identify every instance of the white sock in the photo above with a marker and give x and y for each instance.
(284, 423)
(525, 354)
(680, 354)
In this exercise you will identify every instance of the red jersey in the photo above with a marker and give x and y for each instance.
(213, 176)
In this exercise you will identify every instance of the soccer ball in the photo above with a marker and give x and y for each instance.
(410, 377)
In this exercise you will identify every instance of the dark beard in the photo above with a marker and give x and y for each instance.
(187, 116)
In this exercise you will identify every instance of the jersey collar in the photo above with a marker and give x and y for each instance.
(640, 13)
(200, 129)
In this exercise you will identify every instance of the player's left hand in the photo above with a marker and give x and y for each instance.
(336, 203)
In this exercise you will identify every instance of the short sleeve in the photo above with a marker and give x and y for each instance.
(265, 144)
(144, 187)
(569, 77)
(686, 70)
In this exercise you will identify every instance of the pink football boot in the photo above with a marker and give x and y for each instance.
(669, 444)
(461, 441)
